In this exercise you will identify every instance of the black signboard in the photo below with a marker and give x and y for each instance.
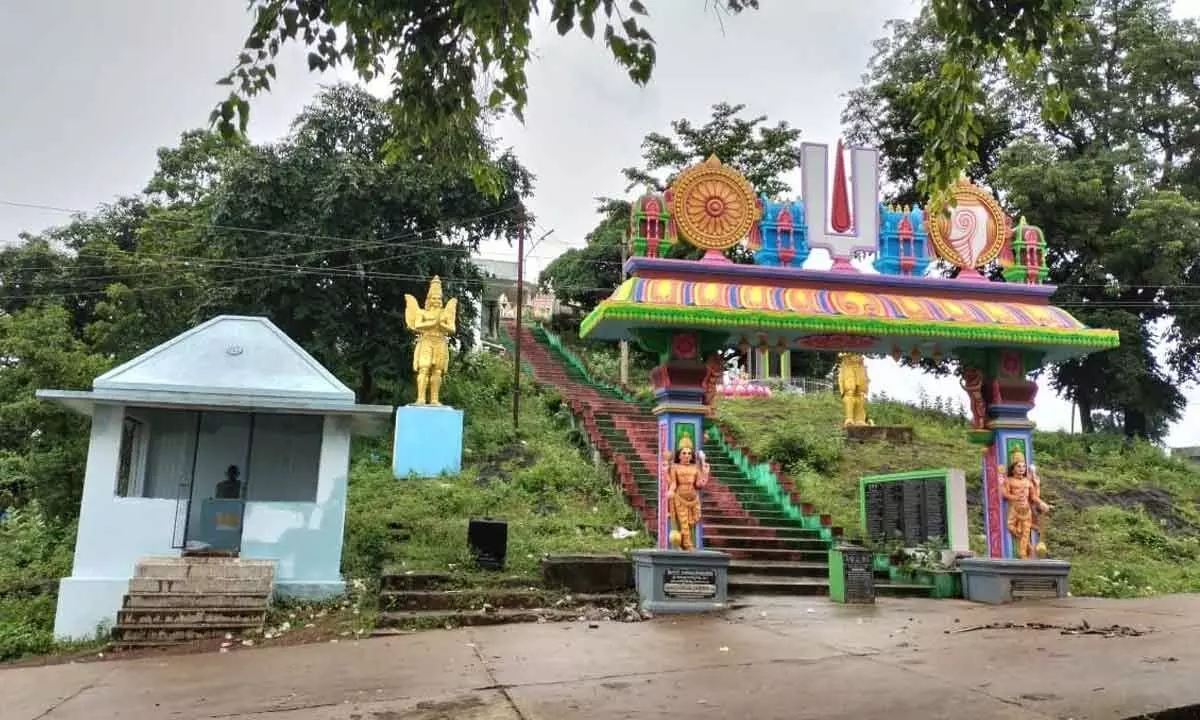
(858, 573)
(690, 583)
(914, 510)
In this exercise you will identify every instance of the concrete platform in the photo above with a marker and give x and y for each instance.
(773, 658)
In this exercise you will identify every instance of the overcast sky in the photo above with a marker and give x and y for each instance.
(92, 88)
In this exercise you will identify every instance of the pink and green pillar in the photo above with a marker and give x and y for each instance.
(1008, 396)
(680, 408)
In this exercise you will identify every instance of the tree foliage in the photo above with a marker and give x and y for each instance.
(449, 61)
(317, 232)
(1113, 181)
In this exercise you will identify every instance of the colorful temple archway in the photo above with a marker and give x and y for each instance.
(685, 310)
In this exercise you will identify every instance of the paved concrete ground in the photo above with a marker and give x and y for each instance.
(775, 658)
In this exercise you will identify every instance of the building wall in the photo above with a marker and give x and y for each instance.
(305, 538)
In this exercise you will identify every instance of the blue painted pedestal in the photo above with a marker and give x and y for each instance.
(428, 441)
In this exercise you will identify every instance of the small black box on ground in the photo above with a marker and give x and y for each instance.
(488, 540)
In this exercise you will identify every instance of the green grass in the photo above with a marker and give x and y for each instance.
(541, 482)
(1126, 515)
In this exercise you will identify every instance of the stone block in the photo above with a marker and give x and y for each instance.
(427, 442)
(681, 581)
(996, 581)
(588, 573)
(895, 434)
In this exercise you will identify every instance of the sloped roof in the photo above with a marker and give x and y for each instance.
(229, 355)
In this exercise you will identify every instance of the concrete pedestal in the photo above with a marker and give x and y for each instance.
(428, 441)
(681, 581)
(996, 581)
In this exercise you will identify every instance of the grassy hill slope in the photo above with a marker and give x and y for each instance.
(1127, 517)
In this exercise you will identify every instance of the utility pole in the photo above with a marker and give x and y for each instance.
(517, 339)
(520, 319)
(624, 342)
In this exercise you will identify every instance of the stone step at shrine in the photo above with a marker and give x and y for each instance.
(994, 317)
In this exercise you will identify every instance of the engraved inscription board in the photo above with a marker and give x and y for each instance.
(913, 510)
(858, 573)
(690, 583)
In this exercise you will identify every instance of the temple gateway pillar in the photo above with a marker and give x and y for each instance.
(683, 383)
(1001, 397)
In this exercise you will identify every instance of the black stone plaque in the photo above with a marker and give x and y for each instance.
(936, 525)
(690, 583)
(873, 503)
(858, 573)
(913, 492)
(914, 510)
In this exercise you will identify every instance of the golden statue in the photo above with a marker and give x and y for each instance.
(433, 325)
(1022, 489)
(852, 385)
(684, 479)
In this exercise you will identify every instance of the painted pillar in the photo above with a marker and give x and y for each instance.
(785, 365)
(1002, 396)
(762, 362)
(679, 389)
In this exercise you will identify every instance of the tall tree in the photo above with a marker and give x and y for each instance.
(451, 60)
(1110, 182)
(763, 153)
(320, 229)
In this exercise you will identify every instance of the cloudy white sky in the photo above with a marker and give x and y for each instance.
(84, 113)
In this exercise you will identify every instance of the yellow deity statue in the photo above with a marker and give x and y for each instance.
(1022, 489)
(852, 386)
(433, 325)
(684, 479)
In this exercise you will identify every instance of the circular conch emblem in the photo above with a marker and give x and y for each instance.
(975, 229)
(713, 205)
(234, 350)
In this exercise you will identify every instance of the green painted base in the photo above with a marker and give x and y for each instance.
(980, 437)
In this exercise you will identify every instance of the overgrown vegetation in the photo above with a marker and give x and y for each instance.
(553, 497)
(1126, 515)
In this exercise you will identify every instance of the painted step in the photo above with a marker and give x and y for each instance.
(769, 554)
(759, 543)
(767, 531)
(207, 617)
(764, 568)
(195, 600)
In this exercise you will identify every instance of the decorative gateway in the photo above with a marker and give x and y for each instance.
(879, 297)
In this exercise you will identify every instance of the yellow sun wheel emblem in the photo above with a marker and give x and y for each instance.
(713, 205)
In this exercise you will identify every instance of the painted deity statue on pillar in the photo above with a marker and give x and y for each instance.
(433, 325)
(685, 477)
(852, 386)
(1022, 490)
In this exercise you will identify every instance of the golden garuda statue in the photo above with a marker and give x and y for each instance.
(433, 324)
(852, 386)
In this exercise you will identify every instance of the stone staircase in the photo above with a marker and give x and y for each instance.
(174, 600)
(771, 550)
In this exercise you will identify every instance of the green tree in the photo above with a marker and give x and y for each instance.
(44, 445)
(1110, 181)
(450, 61)
(763, 153)
(328, 237)
(583, 277)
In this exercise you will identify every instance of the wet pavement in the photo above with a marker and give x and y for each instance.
(786, 658)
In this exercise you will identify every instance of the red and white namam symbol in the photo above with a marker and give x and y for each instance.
(974, 231)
